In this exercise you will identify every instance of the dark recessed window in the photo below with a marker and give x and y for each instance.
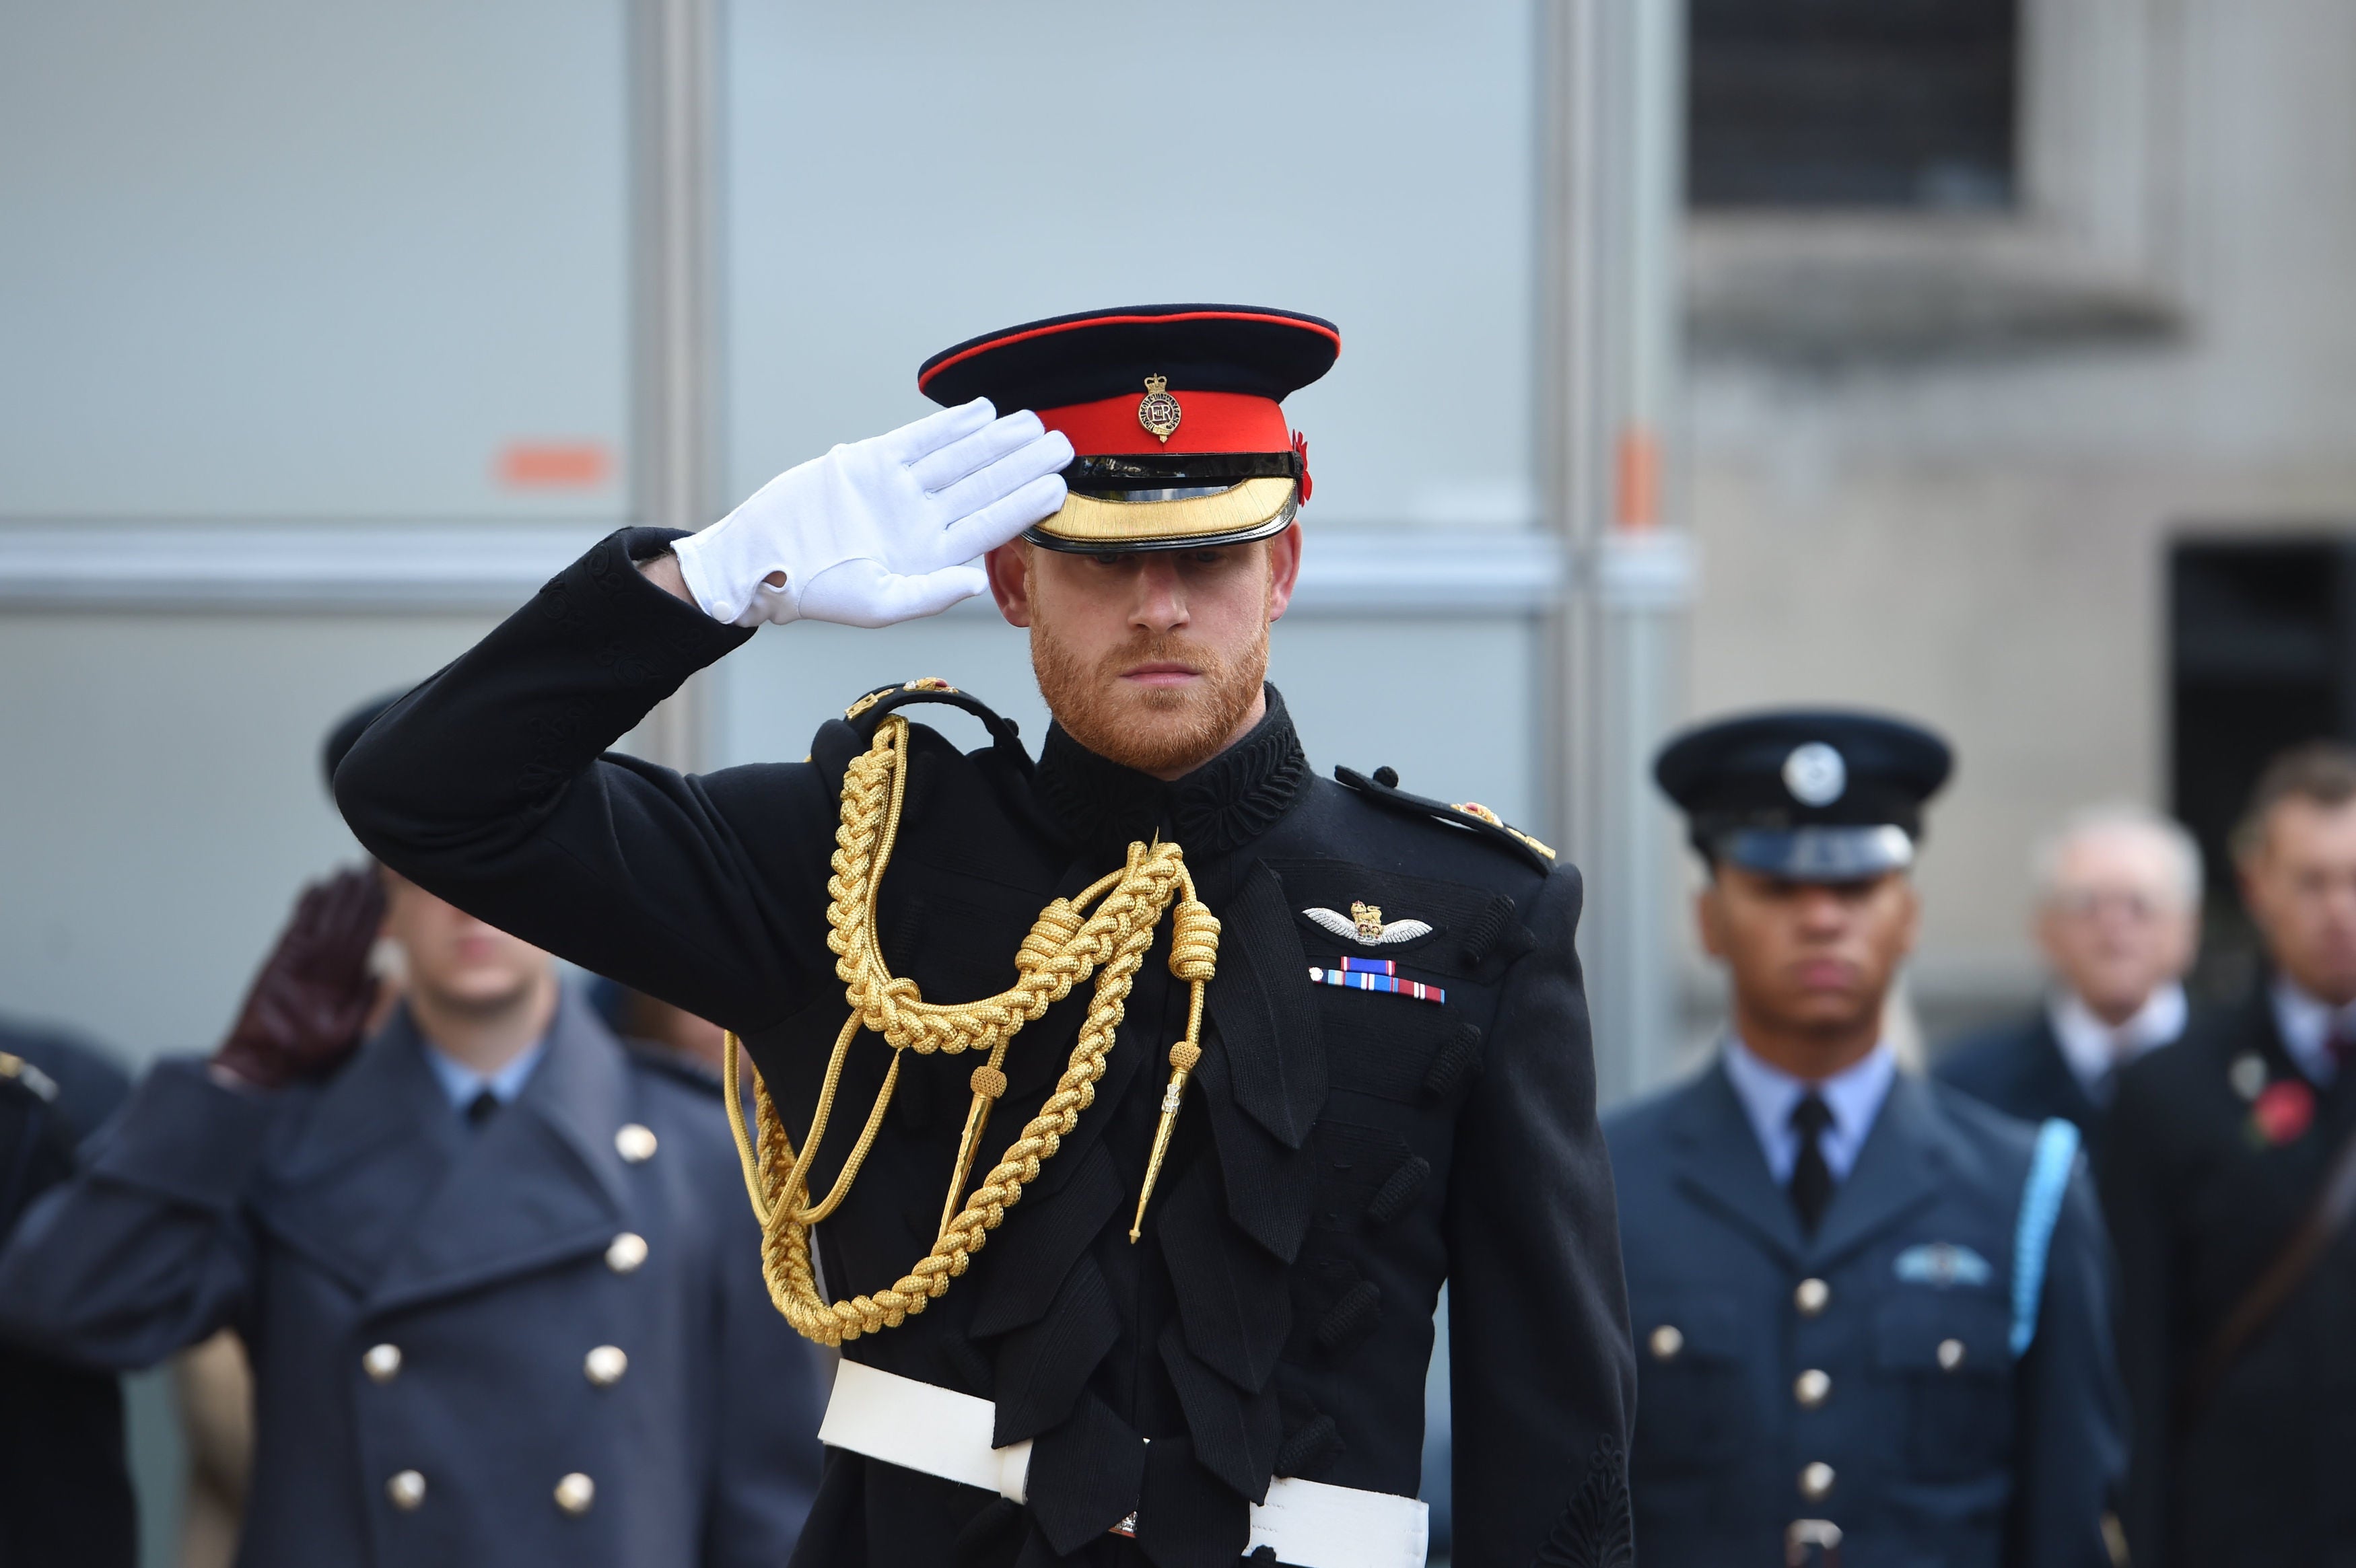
(1861, 103)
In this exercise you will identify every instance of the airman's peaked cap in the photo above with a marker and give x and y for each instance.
(1815, 794)
(1175, 413)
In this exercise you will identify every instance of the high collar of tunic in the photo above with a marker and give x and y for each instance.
(1220, 806)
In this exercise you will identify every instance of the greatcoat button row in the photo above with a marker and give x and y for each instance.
(627, 1252)
(406, 1489)
(1817, 1481)
(1812, 1297)
(634, 1143)
(605, 1364)
(1666, 1341)
(382, 1362)
(1812, 1388)
(574, 1493)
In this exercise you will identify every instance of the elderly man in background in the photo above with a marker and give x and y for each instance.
(2229, 1178)
(2118, 918)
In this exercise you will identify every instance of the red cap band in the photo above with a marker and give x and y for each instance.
(1207, 421)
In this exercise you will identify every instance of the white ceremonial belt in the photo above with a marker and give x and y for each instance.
(939, 1432)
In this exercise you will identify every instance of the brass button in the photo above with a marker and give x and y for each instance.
(382, 1362)
(605, 1364)
(1817, 1481)
(574, 1493)
(1812, 1388)
(634, 1143)
(1812, 1297)
(1666, 1341)
(1951, 1354)
(627, 1251)
(406, 1489)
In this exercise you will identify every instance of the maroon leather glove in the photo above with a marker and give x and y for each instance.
(304, 1016)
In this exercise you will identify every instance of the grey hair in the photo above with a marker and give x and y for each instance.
(2120, 816)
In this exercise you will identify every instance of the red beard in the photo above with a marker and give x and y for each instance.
(1154, 729)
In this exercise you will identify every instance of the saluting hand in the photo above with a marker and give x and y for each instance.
(881, 530)
(308, 1004)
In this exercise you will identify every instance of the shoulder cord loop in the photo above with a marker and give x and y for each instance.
(1066, 944)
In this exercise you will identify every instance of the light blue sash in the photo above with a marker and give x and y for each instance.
(2033, 1236)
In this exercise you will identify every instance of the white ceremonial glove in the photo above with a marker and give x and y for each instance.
(882, 530)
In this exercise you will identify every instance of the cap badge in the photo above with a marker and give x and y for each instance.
(1158, 411)
(1364, 926)
(1816, 774)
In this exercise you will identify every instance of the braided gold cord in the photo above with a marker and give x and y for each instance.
(1067, 944)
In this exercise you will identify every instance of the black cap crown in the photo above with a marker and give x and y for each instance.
(1815, 794)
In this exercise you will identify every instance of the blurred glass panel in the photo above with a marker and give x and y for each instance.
(314, 258)
(903, 176)
(1906, 104)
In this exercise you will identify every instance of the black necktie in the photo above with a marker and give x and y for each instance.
(1812, 1178)
(482, 1108)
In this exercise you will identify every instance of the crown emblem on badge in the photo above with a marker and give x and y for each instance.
(1158, 411)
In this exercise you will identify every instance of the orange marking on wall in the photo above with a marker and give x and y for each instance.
(554, 465)
(1638, 462)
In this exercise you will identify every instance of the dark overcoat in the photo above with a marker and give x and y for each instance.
(2202, 1198)
(64, 1486)
(322, 1223)
(1340, 1154)
(1960, 1458)
(2019, 1068)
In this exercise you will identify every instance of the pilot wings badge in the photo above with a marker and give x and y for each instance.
(1364, 926)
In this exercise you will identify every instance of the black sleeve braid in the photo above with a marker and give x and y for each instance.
(1598, 1529)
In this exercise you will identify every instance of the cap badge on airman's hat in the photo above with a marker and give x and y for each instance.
(1206, 456)
(1811, 795)
(1815, 773)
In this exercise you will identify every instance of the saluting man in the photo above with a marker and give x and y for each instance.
(1870, 1312)
(1132, 1239)
(489, 1265)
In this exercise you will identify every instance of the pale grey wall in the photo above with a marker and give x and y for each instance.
(902, 177)
(1977, 538)
(310, 257)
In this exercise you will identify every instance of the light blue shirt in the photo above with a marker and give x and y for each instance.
(462, 1082)
(1854, 1095)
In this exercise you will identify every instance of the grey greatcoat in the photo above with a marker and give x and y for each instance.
(423, 1298)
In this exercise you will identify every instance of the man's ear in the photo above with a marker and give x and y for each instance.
(1709, 918)
(1914, 928)
(1009, 581)
(1284, 570)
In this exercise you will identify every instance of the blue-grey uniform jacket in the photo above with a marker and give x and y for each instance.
(1863, 1377)
(433, 1311)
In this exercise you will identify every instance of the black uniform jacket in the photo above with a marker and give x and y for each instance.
(2201, 1198)
(1961, 1457)
(65, 1489)
(2019, 1068)
(1340, 1154)
(326, 1222)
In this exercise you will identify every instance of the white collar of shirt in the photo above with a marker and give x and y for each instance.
(2306, 1026)
(462, 1082)
(2094, 1050)
(1854, 1095)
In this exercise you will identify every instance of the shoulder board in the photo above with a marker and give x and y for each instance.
(652, 1057)
(870, 710)
(1382, 789)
